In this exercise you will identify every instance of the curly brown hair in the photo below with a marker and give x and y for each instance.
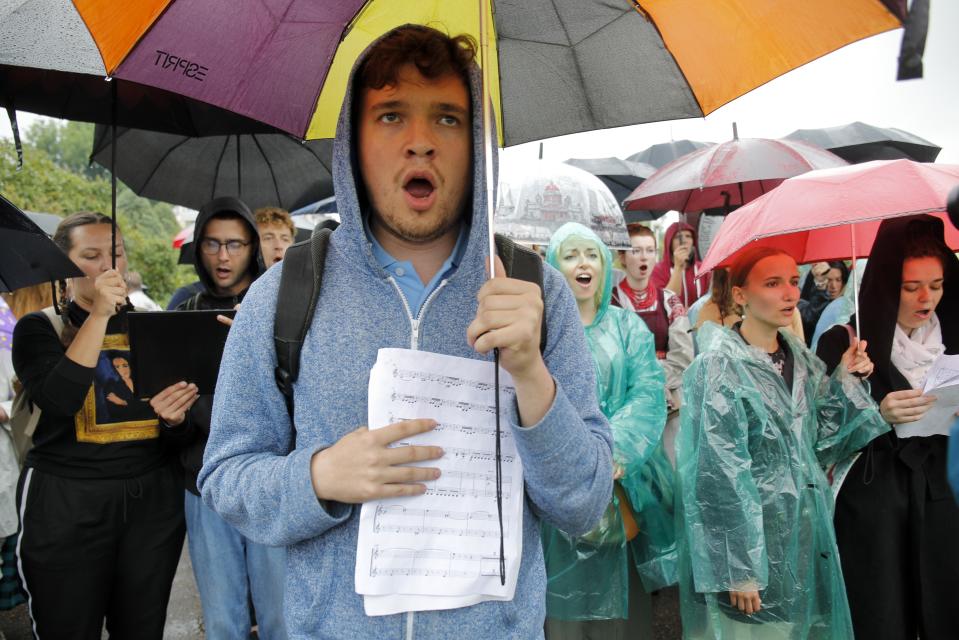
(432, 52)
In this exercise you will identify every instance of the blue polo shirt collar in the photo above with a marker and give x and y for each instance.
(403, 273)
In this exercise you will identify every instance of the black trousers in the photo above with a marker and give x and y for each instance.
(897, 526)
(100, 549)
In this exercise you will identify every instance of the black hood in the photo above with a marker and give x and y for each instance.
(879, 294)
(222, 205)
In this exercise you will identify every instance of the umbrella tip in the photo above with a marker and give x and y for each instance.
(735, 132)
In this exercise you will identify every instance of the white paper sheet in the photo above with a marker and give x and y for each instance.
(944, 372)
(441, 550)
(940, 417)
(942, 381)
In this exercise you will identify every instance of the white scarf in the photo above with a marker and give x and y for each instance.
(913, 355)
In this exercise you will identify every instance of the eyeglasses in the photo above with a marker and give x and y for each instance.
(211, 247)
(638, 252)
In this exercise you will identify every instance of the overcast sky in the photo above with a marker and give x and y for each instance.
(854, 83)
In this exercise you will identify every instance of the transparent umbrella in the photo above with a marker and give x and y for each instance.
(537, 199)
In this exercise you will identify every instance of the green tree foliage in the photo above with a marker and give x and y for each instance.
(68, 144)
(56, 178)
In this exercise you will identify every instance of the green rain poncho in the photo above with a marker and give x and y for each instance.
(754, 503)
(587, 577)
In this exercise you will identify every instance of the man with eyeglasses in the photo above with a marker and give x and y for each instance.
(664, 314)
(230, 570)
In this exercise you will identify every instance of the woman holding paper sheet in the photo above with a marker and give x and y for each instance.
(589, 591)
(100, 498)
(896, 521)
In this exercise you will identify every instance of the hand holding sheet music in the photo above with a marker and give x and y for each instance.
(441, 549)
(942, 381)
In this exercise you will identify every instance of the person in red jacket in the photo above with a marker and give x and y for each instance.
(679, 267)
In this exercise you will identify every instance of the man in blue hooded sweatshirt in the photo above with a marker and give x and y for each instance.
(405, 269)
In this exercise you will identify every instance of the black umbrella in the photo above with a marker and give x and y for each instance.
(860, 142)
(28, 256)
(621, 176)
(663, 153)
(262, 169)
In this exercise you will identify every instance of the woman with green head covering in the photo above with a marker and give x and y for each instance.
(589, 594)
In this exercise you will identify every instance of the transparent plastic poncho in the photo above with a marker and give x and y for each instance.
(755, 507)
(587, 576)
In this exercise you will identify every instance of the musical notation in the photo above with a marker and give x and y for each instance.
(472, 524)
(445, 541)
(450, 382)
(438, 403)
(459, 484)
(468, 455)
(462, 429)
(441, 563)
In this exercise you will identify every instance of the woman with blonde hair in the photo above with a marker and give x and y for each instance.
(592, 588)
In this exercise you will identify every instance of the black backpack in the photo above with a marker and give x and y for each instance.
(300, 289)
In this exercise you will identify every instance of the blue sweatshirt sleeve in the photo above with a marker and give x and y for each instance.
(567, 456)
(252, 475)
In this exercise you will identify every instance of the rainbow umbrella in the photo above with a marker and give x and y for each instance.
(561, 66)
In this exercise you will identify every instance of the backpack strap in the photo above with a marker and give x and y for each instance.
(523, 263)
(191, 303)
(24, 414)
(300, 285)
(299, 291)
(55, 319)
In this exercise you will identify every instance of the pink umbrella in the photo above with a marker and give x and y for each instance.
(728, 174)
(835, 214)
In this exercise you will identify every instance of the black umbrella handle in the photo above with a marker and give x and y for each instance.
(113, 173)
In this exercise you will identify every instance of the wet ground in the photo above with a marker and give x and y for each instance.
(185, 621)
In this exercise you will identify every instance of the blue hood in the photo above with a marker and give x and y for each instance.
(352, 206)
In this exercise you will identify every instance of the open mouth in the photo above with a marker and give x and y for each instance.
(643, 268)
(419, 187)
(420, 191)
(788, 310)
(222, 273)
(584, 279)
(924, 313)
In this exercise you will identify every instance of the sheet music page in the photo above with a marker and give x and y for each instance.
(441, 549)
(943, 372)
(938, 420)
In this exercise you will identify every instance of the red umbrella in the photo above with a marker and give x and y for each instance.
(183, 237)
(727, 174)
(835, 214)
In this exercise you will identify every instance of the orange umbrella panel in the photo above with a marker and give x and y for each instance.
(726, 49)
(117, 26)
